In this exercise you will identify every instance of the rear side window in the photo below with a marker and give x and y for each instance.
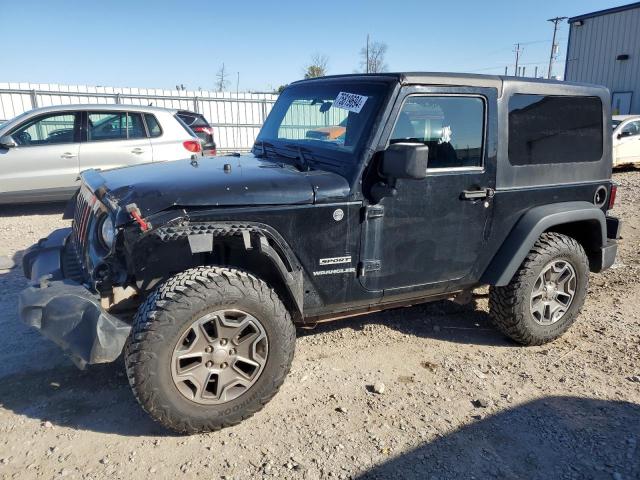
(185, 126)
(554, 129)
(153, 125)
(114, 126)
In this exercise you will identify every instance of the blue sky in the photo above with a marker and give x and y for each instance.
(163, 43)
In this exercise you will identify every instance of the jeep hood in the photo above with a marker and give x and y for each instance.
(213, 182)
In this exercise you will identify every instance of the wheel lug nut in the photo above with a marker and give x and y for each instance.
(223, 341)
(208, 349)
(224, 365)
(232, 351)
(208, 364)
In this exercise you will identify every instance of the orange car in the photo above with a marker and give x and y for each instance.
(327, 133)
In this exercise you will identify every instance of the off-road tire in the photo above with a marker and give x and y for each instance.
(509, 306)
(161, 320)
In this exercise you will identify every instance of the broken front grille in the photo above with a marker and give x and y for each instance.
(87, 207)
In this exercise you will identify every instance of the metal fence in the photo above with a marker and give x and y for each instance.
(236, 118)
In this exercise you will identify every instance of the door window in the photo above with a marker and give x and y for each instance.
(114, 126)
(631, 129)
(51, 129)
(452, 127)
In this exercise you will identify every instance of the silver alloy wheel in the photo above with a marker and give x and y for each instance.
(553, 292)
(219, 357)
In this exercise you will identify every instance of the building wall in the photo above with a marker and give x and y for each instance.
(594, 46)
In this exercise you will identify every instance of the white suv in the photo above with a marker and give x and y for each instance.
(43, 151)
(626, 139)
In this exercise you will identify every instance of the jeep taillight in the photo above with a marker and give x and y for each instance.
(193, 146)
(612, 195)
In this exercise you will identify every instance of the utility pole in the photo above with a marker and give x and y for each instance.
(554, 46)
(535, 75)
(506, 71)
(517, 51)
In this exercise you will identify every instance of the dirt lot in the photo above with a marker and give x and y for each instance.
(460, 401)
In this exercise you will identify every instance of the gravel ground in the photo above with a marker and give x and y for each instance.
(457, 399)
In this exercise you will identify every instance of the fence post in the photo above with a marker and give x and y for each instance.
(117, 99)
(195, 104)
(34, 99)
(264, 110)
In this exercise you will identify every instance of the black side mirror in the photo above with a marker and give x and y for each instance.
(7, 141)
(405, 160)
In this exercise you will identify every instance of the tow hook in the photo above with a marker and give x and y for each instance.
(134, 211)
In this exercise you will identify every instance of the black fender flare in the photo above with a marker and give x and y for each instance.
(261, 237)
(528, 229)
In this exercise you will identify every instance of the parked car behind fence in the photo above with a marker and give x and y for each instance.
(43, 151)
(626, 139)
(202, 128)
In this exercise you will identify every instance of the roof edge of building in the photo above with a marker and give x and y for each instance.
(607, 11)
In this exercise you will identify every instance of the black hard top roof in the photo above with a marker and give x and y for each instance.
(453, 79)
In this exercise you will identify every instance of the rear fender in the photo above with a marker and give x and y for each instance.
(533, 224)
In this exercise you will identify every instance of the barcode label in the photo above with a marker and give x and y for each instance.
(350, 101)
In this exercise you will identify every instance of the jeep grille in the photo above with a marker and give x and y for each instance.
(86, 210)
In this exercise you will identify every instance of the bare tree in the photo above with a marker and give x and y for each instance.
(317, 67)
(222, 81)
(372, 57)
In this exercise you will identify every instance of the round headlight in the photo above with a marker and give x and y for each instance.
(107, 232)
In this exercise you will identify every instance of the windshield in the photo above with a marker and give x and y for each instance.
(331, 119)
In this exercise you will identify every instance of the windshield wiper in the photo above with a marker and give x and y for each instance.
(315, 157)
(303, 162)
(299, 161)
(263, 146)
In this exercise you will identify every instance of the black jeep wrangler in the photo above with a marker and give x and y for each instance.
(361, 193)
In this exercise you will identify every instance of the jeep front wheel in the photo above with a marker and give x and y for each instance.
(545, 296)
(209, 348)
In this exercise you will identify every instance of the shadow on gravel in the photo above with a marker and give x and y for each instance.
(98, 399)
(32, 209)
(626, 168)
(444, 320)
(554, 437)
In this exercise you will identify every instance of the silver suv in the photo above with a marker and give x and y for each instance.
(43, 151)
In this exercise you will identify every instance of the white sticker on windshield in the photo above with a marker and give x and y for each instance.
(350, 101)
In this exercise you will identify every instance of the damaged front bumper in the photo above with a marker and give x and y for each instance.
(65, 311)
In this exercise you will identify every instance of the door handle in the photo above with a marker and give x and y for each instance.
(480, 194)
(137, 151)
(68, 155)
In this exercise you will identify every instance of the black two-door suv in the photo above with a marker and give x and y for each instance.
(434, 185)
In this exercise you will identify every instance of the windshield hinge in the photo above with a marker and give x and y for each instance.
(368, 266)
(373, 211)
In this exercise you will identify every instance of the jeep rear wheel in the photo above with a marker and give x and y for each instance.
(209, 348)
(545, 296)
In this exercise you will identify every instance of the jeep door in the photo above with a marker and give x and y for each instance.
(114, 139)
(427, 236)
(44, 164)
